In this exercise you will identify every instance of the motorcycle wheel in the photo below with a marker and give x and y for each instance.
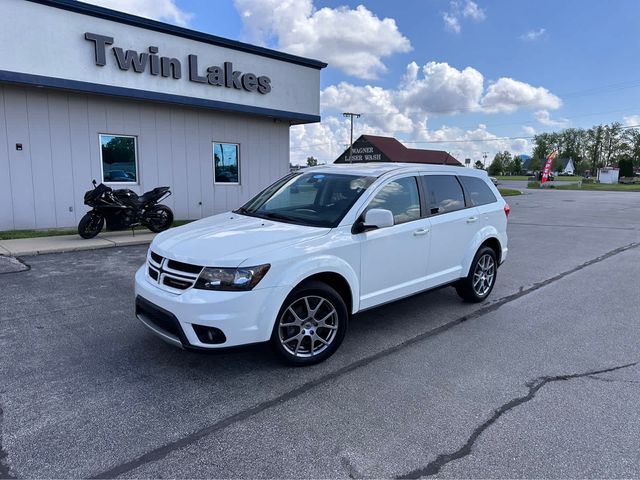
(90, 225)
(158, 218)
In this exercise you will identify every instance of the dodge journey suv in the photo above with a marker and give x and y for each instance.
(296, 261)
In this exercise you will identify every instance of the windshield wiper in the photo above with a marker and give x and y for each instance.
(278, 216)
(240, 210)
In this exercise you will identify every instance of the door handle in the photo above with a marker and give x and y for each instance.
(472, 219)
(421, 231)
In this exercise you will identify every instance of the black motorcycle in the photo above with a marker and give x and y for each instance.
(123, 209)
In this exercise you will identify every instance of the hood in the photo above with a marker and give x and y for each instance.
(227, 239)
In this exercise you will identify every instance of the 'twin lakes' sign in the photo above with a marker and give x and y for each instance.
(220, 76)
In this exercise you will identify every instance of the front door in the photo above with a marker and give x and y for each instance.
(394, 259)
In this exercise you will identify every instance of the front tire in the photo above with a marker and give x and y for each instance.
(477, 286)
(158, 218)
(90, 225)
(310, 325)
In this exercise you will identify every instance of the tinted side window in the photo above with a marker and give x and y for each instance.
(401, 197)
(479, 191)
(445, 193)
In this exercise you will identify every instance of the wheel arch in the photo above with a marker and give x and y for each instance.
(487, 237)
(336, 281)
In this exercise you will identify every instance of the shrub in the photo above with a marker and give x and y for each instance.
(589, 180)
(535, 184)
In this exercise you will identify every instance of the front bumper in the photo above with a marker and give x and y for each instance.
(243, 317)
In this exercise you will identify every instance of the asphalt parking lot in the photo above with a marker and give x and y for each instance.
(542, 380)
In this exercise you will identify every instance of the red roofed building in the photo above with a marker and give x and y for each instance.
(371, 148)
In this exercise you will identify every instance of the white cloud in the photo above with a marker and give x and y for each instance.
(165, 10)
(532, 35)
(353, 40)
(441, 88)
(433, 89)
(507, 94)
(471, 10)
(451, 22)
(459, 10)
(631, 120)
(544, 117)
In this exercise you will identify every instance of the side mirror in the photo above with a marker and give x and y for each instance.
(374, 218)
(378, 218)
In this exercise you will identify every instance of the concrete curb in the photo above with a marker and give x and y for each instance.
(72, 243)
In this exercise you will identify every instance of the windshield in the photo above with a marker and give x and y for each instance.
(314, 199)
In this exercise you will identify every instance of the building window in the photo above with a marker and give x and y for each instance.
(226, 162)
(119, 157)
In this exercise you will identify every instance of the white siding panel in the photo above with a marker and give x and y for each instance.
(62, 165)
(15, 104)
(178, 163)
(82, 142)
(163, 141)
(42, 171)
(6, 200)
(192, 162)
(148, 148)
(206, 163)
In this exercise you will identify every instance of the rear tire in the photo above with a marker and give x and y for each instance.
(90, 225)
(477, 286)
(158, 218)
(310, 325)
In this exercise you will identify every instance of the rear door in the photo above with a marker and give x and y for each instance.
(454, 223)
(394, 259)
(482, 197)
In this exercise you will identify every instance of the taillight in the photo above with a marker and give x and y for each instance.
(507, 209)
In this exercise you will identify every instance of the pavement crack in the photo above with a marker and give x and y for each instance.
(162, 451)
(534, 386)
(613, 380)
(5, 471)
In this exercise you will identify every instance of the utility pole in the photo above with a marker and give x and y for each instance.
(484, 156)
(351, 115)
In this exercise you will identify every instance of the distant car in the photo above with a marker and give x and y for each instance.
(494, 180)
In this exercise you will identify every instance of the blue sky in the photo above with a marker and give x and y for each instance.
(482, 70)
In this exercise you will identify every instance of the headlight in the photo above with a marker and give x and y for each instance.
(242, 278)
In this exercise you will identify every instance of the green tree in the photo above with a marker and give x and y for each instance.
(479, 165)
(516, 165)
(501, 163)
(312, 162)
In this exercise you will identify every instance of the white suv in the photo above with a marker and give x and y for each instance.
(320, 244)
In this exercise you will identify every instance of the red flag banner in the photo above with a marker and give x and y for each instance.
(547, 166)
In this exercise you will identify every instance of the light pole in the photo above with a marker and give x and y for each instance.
(484, 156)
(351, 115)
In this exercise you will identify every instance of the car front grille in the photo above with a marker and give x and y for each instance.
(171, 274)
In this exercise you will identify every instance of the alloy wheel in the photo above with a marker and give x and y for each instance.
(484, 275)
(308, 326)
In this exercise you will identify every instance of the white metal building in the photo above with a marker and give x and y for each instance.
(89, 93)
